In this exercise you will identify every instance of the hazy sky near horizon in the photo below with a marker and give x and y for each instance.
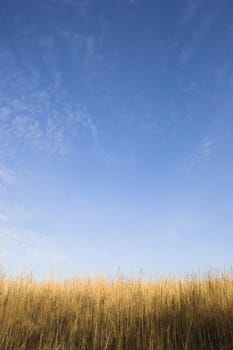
(116, 136)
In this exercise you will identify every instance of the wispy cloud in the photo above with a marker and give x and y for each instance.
(36, 110)
(202, 153)
(50, 134)
(85, 48)
(40, 114)
(200, 22)
(6, 176)
(185, 53)
(206, 147)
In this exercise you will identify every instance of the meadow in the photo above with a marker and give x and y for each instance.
(135, 314)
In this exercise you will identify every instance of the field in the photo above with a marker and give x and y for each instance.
(193, 313)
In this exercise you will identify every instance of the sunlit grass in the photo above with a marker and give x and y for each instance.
(194, 313)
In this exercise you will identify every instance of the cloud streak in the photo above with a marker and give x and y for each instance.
(202, 153)
(38, 115)
(6, 176)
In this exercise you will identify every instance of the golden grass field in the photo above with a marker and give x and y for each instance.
(193, 313)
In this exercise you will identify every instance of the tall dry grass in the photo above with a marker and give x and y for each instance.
(129, 314)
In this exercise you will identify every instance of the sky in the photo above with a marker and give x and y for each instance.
(116, 147)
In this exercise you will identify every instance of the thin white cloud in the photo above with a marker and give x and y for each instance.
(51, 134)
(84, 47)
(55, 137)
(206, 147)
(39, 114)
(89, 125)
(202, 153)
(185, 54)
(6, 176)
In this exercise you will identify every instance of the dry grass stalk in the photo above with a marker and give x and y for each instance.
(95, 314)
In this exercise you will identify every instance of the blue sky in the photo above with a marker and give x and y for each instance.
(116, 136)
